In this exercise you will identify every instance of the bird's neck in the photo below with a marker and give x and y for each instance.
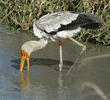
(32, 46)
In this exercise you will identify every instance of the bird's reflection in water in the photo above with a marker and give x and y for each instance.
(24, 82)
(60, 81)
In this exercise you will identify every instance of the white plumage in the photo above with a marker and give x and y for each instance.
(64, 24)
(54, 23)
(51, 23)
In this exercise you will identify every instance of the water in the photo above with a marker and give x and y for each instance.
(89, 79)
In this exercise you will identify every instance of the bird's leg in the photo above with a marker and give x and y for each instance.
(61, 59)
(83, 49)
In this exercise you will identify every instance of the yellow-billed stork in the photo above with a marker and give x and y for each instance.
(65, 24)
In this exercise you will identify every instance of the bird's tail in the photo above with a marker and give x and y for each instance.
(90, 21)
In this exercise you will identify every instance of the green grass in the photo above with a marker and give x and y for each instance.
(20, 15)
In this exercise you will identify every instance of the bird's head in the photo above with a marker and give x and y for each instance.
(27, 48)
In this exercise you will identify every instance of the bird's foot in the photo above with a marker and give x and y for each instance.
(69, 73)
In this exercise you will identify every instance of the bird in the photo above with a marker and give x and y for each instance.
(59, 25)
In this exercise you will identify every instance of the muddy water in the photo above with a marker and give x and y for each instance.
(89, 79)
